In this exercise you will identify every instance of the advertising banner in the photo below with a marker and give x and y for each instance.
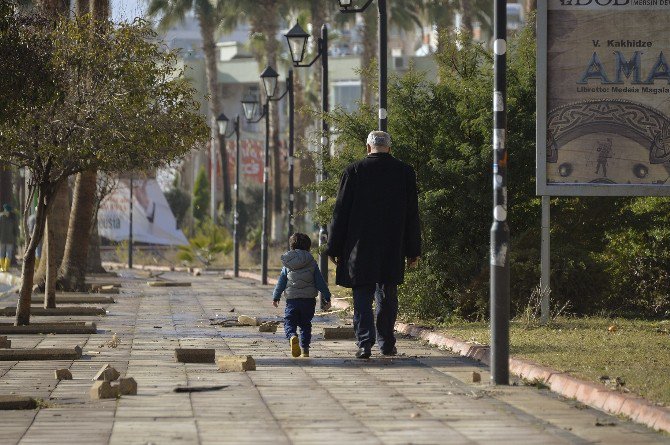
(153, 221)
(603, 97)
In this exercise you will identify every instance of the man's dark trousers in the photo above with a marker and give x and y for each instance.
(298, 314)
(386, 312)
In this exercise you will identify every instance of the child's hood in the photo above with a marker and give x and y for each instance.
(296, 259)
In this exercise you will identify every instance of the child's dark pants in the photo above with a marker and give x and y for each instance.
(298, 314)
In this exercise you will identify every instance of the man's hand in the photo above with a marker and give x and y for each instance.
(412, 262)
(275, 303)
(335, 260)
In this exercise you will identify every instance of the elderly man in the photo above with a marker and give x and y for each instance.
(375, 228)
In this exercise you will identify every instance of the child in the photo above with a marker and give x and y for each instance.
(301, 280)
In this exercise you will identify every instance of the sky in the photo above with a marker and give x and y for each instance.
(127, 9)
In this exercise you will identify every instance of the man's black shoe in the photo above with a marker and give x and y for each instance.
(393, 351)
(364, 352)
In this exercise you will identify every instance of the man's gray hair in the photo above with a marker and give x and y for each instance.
(379, 139)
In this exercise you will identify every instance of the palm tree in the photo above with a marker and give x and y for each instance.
(209, 14)
(72, 271)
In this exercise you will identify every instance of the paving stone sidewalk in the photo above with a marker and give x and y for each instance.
(423, 396)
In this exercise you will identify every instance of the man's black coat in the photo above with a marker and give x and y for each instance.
(375, 222)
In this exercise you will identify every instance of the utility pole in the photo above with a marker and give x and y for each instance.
(500, 236)
(130, 227)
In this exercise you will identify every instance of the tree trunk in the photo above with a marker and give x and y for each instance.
(72, 273)
(5, 184)
(82, 7)
(466, 15)
(58, 213)
(207, 29)
(278, 216)
(531, 5)
(370, 47)
(26, 291)
(94, 258)
(51, 269)
(54, 8)
(99, 9)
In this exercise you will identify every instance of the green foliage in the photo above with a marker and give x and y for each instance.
(27, 78)
(119, 103)
(608, 254)
(180, 202)
(201, 196)
(209, 241)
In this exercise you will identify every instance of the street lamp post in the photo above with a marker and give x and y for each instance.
(269, 77)
(223, 121)
(500, 266)
(291, 150)
(297, 42)
(130, 225)
(346, 7)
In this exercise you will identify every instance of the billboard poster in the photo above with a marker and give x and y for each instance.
(251, 160)
(603, 88)
(153, 220)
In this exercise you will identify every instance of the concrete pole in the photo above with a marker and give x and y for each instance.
(545, 264)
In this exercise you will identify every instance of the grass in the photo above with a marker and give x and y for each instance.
(637, 351)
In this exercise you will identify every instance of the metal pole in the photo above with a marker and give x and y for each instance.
(325, 144)
(545, 262)
(266, 174)
(130, 230)
(291, 149)
(500, 309)
(236, 217)
(383, 61)
(212, 185)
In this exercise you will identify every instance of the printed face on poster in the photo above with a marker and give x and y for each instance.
(603, 98)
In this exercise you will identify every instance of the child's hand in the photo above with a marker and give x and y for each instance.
(275, 303)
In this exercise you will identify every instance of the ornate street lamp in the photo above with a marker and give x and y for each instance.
(223, 122)
(250, 107)
(249, 104)
(269, 77)
(297, 42)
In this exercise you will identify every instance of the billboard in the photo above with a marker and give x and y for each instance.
(603, 98)
(153, 220)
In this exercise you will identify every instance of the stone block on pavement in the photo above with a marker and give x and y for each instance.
(4, 343)
(40, 354)
(10, 402)
(192, 355)
(267, 327)
(63, 374)
(236, 363)
(107, 373)
(339, 333)
(127, 386)
(476, 377)
(246, 320)
(103, 390)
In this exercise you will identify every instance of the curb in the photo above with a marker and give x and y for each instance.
(592, 394)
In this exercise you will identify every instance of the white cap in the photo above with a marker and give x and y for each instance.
(379, 139)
